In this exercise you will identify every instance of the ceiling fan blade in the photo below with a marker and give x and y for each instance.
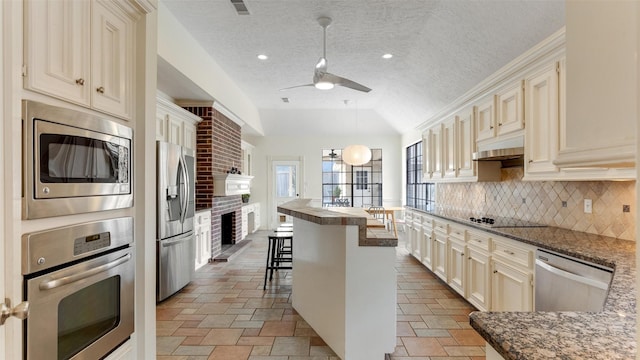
(338, 80)
(297, 86)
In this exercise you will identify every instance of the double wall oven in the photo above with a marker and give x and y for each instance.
(79, 278)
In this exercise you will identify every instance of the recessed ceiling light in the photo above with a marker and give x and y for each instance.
(387, 56)
(263, 57)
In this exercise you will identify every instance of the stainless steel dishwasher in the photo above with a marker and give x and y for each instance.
(564, 283)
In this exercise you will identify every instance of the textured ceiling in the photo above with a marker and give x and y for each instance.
(441, 49)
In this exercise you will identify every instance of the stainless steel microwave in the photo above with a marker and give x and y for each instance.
(73, 162)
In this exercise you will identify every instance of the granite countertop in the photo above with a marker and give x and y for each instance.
(367, 236)
(610, 334)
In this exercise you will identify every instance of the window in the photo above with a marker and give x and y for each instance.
(346, 185)
(420, 195)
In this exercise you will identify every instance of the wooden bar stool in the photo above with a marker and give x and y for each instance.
(278, 252)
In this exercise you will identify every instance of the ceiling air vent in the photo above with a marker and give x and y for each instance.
(240, 6)
(285, 99)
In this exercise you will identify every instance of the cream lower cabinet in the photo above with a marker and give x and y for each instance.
(426, 250)
(202, 230)
(415, 237)
(439, 259)
(478, 270)
(493, 273)
(456, 270)
(512, 275)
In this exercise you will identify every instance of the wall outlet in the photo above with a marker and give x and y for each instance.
(626, 208)
(588, 206)
(564, 204)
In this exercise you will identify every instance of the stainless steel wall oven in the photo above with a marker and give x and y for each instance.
(74, 162)
(79, 285)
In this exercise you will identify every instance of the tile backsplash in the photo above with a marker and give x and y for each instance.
(554, 203)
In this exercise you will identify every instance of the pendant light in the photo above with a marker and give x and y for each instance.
(356, 155)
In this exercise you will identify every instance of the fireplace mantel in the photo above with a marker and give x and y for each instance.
(231, 184)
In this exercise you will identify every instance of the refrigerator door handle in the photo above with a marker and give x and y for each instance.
(185, 193)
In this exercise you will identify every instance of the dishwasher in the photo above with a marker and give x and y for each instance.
(564, 283)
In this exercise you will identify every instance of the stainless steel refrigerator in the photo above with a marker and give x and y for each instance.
(175, 250)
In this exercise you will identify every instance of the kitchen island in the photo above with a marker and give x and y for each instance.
(344, 280)
(609, 334)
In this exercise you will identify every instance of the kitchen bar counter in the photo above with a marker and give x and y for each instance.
(368, 234)
(610, 334)
(344, 279)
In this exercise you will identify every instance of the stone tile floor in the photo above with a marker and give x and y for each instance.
(225, 315)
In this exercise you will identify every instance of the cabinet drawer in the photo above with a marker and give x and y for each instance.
(457, 232)
(512, 252)
(479, 241)
(440, 226)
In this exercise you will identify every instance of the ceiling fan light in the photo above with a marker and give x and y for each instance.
(324, 85)
(356, 155)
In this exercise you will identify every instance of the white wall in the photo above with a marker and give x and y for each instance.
(310, 148)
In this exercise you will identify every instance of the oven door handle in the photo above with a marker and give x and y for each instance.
(52, 284)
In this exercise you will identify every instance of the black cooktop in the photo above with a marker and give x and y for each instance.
(502, 222)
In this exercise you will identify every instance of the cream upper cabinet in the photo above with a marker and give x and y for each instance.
(510, 109)
(90, 68)
(427, 156)
(449, 148)
(541, 134)
(436, 148)
(601, 85)
(175, 124)
(486, 119)
(466, 143)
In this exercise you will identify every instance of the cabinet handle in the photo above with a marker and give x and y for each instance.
(490, 127)
(100, 89)
(469, 257)
(80, 81)
(461, 254)
(478, 240)
(499, 124)
(509, 252)
(495, 271)
(530, 161)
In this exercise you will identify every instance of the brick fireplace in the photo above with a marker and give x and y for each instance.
(218, 150)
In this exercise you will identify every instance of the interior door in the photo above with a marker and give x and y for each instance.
(285, 187)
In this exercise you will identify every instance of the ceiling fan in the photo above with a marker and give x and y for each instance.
(322, 79)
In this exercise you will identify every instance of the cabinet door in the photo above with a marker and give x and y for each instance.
(440, 255)
(175, 131)
(456, 266)
(510, 112)
(485, 121)
(466, 143)
(449, 145)
(427, 247)
(111, 60)
(437, 144)
(427, 156)
(511, 289)
(415, 237)
(541, 104)
(57, 49)
(162, 125)
(478, 283)
(189, 133)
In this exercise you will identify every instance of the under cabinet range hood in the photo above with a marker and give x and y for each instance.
(510, 152)
(231, 184)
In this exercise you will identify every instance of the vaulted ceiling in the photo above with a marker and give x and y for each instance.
(440, 48)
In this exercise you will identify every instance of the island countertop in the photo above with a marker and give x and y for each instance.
(610, 334)
(367, 235)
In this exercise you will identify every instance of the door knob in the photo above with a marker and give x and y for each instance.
(21, 311)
